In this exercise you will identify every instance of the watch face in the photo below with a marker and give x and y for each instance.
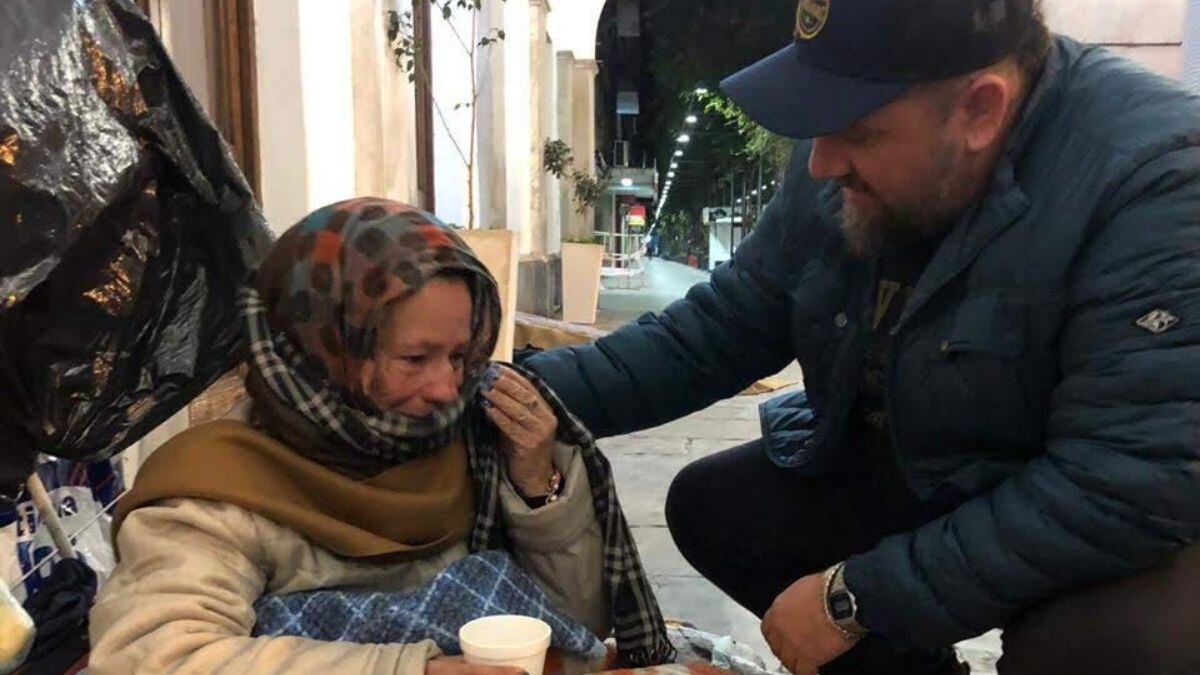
(840, 606)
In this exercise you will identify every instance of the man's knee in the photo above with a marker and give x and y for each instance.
(703, 495)
(687, 499)
(1137, 625)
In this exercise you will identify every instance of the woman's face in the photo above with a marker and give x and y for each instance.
(418, 366)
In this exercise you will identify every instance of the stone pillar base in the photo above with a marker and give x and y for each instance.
(539, 285)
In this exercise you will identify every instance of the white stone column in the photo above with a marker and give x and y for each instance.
(550, 190)
(282, 135)
(566, 116)
(384, 111)
(491, 175)
(538, 124)
(583, 135)
(518, 130)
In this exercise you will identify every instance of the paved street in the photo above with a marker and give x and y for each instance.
(663, 283)
(646, 462)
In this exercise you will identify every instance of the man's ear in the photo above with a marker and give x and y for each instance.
(983, 109)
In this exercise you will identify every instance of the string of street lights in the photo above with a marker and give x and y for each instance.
(681, 142)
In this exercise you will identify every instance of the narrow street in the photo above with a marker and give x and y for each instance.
(663, 283)
(646, 462)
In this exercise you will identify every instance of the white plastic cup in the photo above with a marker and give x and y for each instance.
(507, 640)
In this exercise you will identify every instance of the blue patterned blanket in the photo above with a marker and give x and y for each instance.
(485, 584)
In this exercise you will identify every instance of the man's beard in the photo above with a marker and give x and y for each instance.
(931, 214)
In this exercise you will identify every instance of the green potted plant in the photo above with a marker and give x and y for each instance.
(582, 263)
(582, 259)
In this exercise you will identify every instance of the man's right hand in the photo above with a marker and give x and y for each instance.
(456, 665)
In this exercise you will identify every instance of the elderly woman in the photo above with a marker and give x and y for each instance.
(380, 447)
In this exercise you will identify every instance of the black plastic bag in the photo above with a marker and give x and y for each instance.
(126, 228)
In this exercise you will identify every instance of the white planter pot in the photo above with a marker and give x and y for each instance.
(581, 265)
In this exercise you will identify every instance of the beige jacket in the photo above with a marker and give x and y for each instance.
(181, 599)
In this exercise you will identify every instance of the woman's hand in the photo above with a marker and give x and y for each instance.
(529, 428)
(456, 665)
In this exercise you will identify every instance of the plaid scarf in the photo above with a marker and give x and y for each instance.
(311, 322)
(386, 438)
(637, 621)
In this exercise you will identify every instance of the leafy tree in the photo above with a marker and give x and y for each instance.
(409, 53)
(697, 43)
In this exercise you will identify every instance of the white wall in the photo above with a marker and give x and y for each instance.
(328, 100)
(384, 107)
(282, 136)
(1148, 31)
(306, 106)
(518, 121)
(573, 25)
(187, 46)
(1191, 46)
(1117, 21)
(507, 164)
(723, 240)
(551, 190)
(451, 87)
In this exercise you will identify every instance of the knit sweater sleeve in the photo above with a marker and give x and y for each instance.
(181, 600)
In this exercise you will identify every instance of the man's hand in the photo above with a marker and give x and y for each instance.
(456, 665)
(800, 632)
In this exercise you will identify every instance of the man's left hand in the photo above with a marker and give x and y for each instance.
(799, 631)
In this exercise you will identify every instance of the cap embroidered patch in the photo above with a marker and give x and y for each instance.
(811, 17)
(1158, 322)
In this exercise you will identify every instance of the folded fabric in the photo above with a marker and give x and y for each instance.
(694, 646)
(485, 584)
(61, 604)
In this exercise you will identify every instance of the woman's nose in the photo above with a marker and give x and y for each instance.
(443, 386)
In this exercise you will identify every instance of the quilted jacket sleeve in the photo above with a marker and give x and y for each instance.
(1118, 488)
(725, 334)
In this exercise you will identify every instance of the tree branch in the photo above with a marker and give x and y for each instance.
(449, 132)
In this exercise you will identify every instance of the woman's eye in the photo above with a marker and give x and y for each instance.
(413, 359)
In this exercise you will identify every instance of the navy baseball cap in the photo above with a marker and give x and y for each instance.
(852, 57)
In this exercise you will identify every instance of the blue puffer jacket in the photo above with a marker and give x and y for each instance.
(1022, 385)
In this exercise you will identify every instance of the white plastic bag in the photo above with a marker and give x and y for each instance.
(79, 492)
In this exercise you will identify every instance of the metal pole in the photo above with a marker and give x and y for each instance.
(733, 207)
(758, 206)
(45, 508)
(745, 198)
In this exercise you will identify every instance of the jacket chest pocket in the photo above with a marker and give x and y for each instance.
(820, 319)
(975, 385)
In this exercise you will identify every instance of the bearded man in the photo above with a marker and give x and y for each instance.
(985, 260)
